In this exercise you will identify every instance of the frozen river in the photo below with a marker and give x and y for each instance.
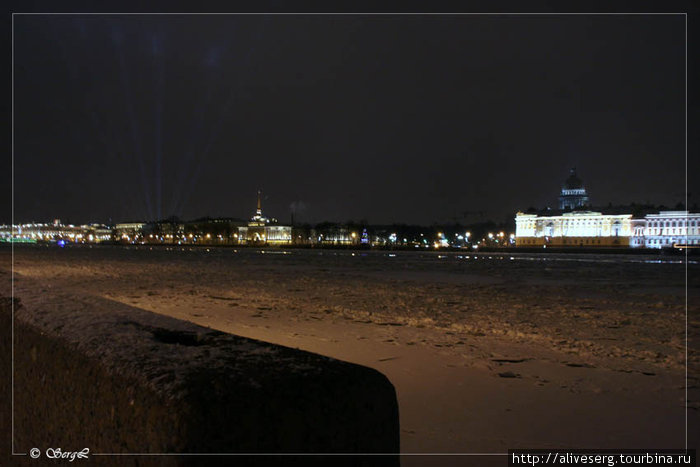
(487, 351)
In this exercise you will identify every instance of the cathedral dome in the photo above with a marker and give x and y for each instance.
(573, 182)
(573, 194)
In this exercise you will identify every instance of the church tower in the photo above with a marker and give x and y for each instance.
(258, 211)
(258, 218)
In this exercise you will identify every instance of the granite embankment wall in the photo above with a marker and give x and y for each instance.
(116, 379)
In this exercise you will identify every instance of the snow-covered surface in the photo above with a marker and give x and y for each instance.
(158, 350)
(487, 352)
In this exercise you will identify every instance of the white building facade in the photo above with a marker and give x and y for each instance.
(578, 228)
(667, 229)
(671, 228)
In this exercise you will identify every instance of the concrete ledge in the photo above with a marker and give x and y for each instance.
(116, 379)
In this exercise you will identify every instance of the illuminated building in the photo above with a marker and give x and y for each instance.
(333, 234)
(262, 230)
(638, 229)
(665, 229)
(38, 232)
(578, 228)
(671, 228)
(573, 194)
(98, 233)
(128, 231)
(338, 236)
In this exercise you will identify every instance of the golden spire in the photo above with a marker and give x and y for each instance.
(259, 210)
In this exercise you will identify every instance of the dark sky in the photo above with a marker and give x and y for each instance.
(414, 119)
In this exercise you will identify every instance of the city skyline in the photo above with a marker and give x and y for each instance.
(287, 235)
(389, 119)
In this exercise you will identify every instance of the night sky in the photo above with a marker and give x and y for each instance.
(414, 119)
